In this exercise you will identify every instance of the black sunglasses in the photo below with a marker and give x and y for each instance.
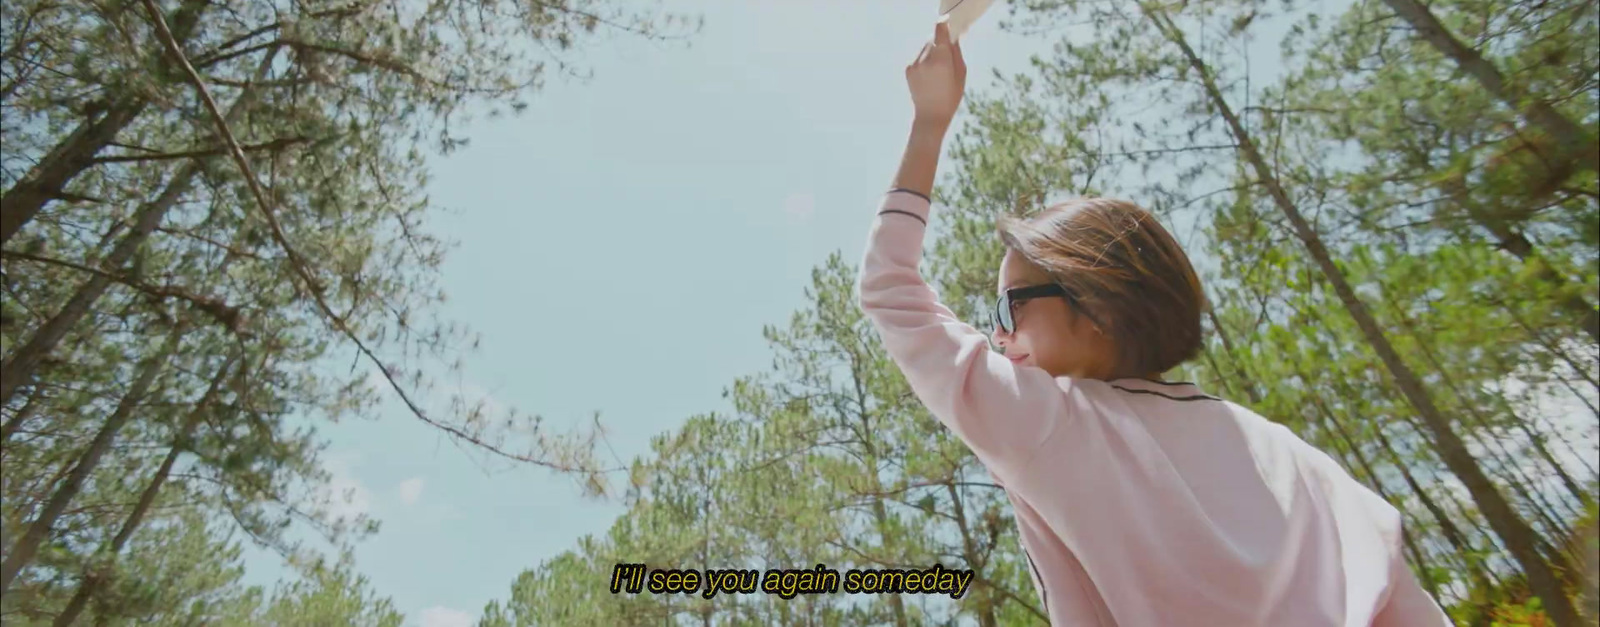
(1004, 306)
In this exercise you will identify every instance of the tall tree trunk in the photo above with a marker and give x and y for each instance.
(19, 368)
(1338, 431)
(1540, 427)
(1458, 540)
(1406, 536)
(1225, 379)
(1417, 555)
(1537, 441)
(1426, 349)
(1555, 349)
(1588, 538)
(880, 514)
(47, 179)
(1515, 532)
(91, 580)
(1447, 527)
(986, 617)
(23, 551)
(1575, 142)
(709, 609)
(1227, 348)
(1509, 239)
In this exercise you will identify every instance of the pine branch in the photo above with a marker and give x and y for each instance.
(274, 145)
(218, 53)
(296, 261)
(597, 19)
(225, 314)
(201, 238)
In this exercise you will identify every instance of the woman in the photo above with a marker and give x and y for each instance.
(1140, 502)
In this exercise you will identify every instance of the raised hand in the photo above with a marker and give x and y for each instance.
(937, 79)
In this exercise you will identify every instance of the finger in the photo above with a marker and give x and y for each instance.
(961, 63)
(941, 34)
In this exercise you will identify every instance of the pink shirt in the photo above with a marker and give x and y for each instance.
(1142, 503)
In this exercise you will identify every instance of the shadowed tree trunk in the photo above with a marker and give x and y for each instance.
(1511, 240)
(1426, 349)
(19, 368)
(21, 553)
(880, 514)
(986, 617)
(75, 153)
(1575, 142)
(1338, 430)
(1519, 537)
(91, 579)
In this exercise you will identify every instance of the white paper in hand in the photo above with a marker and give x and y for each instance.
(961, 14)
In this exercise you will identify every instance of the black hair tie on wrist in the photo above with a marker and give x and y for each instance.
(912, 192)
(919, 218)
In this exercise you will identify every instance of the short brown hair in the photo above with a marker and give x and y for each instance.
(1126, 269)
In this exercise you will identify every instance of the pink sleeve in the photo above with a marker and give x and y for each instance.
(1408, 604)
(1004, 413)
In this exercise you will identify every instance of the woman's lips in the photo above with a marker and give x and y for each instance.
(1017, 359)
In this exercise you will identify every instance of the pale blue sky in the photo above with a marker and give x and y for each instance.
(621, 245)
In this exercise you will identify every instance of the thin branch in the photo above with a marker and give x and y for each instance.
(195, 236)
(1165, 151)
(287, 82)
(1288, 110)
(274, 145)
(598, 19)
(354, 55)
(296, 261)
(215, 59)
(218, 54)
(225, 314)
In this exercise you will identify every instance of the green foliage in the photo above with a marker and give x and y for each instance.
(166, 362)
(825, 460)
(1466, 238)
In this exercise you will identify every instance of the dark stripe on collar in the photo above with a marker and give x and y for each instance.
(1155, 382)
(1044, 589)
(1197, 397)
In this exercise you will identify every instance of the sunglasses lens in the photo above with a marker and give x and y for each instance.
(1002, 314)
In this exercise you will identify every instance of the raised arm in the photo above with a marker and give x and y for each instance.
(936, 78)
(1003, 412)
